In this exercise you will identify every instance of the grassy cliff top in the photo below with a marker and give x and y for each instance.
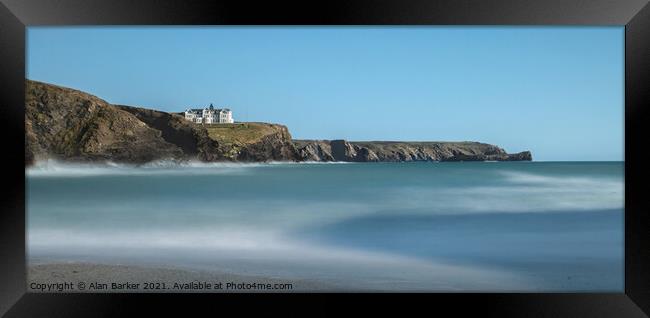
(241, 133)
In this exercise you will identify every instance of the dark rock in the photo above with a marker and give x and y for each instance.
(272, 147)
(63, 123)
(388, 151)
(522, 156)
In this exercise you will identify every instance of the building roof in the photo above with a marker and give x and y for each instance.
(209, 110)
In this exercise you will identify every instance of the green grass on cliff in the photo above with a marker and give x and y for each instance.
(240, 133)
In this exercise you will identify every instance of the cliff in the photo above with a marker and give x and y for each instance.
(391, 151)
(67, 124)
(222, 142)
(63, 123)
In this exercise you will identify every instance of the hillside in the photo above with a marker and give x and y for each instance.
(67, 124)
(63, 123)
(220, 142)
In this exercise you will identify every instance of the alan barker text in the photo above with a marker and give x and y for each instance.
(155, 286)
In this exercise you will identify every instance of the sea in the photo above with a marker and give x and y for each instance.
(420, 226)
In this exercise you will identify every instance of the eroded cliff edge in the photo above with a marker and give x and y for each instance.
(393, 151)
(70, 125)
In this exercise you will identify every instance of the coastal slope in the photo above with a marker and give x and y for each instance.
(63, 123)
(70, 125)
(246, 142)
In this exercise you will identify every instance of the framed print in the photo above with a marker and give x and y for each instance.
(431, 152)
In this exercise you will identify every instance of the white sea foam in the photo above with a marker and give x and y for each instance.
(54, 168)
(234, 238)
(264, 252)
(269, 216)
(521, 192)
(309, 162)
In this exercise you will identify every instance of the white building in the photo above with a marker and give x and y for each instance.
(209, 115)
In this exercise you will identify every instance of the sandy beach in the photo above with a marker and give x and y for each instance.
(101, 278)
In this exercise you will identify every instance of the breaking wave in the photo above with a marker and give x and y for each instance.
(54, 168)
(518, 192)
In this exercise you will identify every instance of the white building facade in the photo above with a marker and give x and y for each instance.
(209, 115)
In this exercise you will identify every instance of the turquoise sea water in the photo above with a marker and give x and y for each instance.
(475, 226)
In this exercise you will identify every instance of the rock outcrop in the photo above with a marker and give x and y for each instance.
(273, 146)
(67, 124)
(384, 151)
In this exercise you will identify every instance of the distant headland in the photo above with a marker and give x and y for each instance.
(67, 124)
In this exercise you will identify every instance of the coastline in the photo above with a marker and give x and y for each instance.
(84, 277)
(54, 129)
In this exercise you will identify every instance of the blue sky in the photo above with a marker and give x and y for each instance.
(557, 91)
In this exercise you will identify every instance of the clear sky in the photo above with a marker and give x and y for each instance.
(557, 91)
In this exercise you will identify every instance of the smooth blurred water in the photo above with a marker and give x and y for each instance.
(488, 226)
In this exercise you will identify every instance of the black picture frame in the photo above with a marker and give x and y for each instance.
(15, 15)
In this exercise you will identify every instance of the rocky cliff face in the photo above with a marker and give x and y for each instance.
(63, 123)
(374, 151)
(274, 146)
(265, 142)
(193, 140)
(67, 124)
